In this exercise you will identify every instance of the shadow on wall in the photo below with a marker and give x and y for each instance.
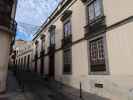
(73, 93)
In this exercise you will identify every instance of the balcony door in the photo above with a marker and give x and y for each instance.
(52, 65)
(52, 51)
(42, 66)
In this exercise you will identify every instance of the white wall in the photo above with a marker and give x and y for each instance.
(117, 85)
(78, 20)
(58, 65)
(120, 50)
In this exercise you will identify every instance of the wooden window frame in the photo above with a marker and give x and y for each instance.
(52, 37)
(28, 62)
(87, 11)
(70, 72)
(106, 72)
(25, 62)
(66, 21)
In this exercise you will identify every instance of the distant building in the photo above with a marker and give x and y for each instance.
(88, 42)
(15, 48)
(7, 37)
(24, 50)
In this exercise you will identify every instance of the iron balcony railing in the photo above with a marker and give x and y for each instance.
(13, 29)
(8, 23)
(13, 26)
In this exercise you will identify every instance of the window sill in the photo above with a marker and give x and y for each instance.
(67, 73)
(99, 73)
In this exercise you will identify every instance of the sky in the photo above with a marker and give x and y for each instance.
(31, 14)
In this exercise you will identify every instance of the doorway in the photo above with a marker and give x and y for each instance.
(52, 65)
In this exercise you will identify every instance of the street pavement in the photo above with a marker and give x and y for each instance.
(31, 88)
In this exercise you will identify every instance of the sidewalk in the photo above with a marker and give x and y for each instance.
(72, 93)
(13, 90)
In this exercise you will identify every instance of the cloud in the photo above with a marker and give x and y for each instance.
(31, 14)
(24, 36)
(33, 11)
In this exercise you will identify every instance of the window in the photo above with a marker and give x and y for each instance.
(67, 28)
(28, 62)
(25, 62)
(19, 62)
(97, 55)
(22, 63)
(52, 34)
(67, 61)
(94, 9)
(42, 42)
(52, 37)
(36, 43)
(16, 61)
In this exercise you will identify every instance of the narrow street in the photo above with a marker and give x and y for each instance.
(66, 50)
(32, 89)
(30, 86)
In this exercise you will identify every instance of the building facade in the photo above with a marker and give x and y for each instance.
(88, 42)
(24, 50)
(7, 36)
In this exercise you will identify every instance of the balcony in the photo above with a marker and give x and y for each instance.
(35, 57)
(95, 27)
(51, 49)
(42, 53)
(12, 28)
(67, 41)
(6, 22)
